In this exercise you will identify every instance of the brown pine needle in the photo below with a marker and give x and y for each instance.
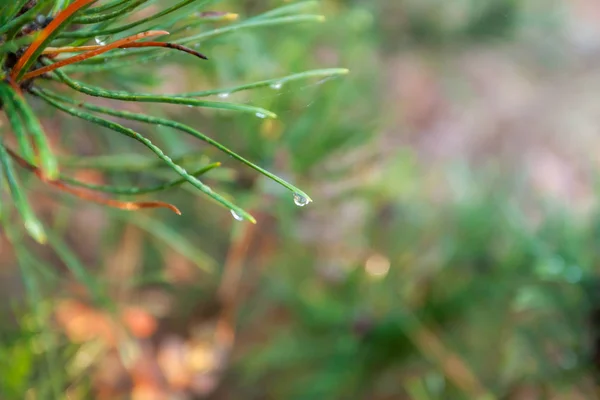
(92, 53)
(58, 20)
(52, 51)
(88, 195)
(123, 205)
(167, 45)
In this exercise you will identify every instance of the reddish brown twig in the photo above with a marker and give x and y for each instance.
(167, 45)
(58, 20)
(92, 53)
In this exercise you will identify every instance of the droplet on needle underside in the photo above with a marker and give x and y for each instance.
(100, 40)
(300, 200)
(236, 216)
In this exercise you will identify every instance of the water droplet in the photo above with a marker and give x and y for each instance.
(300, 200)
(101, 40)
(236, 216)
(223, 95)
(277, 85)
(261, 115)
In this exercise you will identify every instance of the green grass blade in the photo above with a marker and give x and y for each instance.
(160, 154)
(274, 83)
(32, 224)
(134, 191)
(151, 98)
(184, 128)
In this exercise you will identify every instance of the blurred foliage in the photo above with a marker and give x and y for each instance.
(382, 289)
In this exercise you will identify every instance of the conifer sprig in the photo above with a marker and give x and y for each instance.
(43, 43)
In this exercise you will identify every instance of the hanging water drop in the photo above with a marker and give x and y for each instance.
(261, 115)
(100, 40)
(223, 95)
(236, 216)
(276, 86)
(300, 200)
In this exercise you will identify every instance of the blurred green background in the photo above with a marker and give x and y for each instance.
(451, 251)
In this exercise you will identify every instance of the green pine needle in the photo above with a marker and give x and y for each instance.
(49, 165)
(176, 125)
(21, 23)
(135, 191)
(18, 128)
(151, 98)
(274, 83)
(156, 150)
